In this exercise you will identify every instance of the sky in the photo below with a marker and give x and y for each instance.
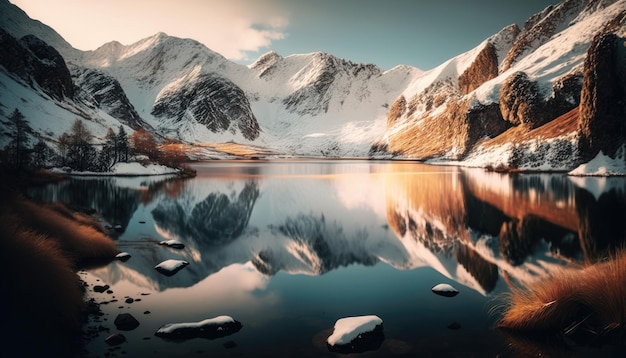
(419, 33)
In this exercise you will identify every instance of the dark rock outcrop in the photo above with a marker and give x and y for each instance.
(484, 68)
(34, 61)
(213, 101)
(108, 94)
(603, 98)
(520, 101)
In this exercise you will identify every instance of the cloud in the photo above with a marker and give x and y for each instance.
(232, 28)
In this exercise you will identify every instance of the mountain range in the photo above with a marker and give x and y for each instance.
(547, 96)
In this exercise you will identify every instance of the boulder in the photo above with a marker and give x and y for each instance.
(175, 244)
(446, 290)
(211, 328)
(123, 256)
(356, 334)
(171, 267)
(126, 322)
(115, 339)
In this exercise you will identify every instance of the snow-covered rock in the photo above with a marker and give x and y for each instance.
(171, 267)
(211, 328)
(175, 244)
(123, 256)
(356, 334)
(446, 290)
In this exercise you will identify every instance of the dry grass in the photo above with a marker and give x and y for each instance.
(79, 237)
(562, 125)
(589, 300)
(43, 297)
(41, 248)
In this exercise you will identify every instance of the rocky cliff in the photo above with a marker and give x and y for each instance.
(509, 102)
(36, 64)
(107, 93)
(603, 98)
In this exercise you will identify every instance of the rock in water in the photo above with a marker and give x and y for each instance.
(356, 334)
(126, 322)
(171, 267)
(444, 289)
(211, 328)
(115, 339)
(123, 256)
(175, 244)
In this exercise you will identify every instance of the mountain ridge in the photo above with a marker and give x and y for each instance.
(317, 104)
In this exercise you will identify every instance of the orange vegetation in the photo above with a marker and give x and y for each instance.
(590, 301)
(41, 248)
(78, 236)
(562, 125)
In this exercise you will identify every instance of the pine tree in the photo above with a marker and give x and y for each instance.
(109, 155)
(64, 143)
(18, 147)
(122, 145)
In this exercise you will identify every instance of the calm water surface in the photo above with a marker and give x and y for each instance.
(289, 247)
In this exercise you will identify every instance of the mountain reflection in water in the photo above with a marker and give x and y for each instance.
(256, 233)
(313, 217)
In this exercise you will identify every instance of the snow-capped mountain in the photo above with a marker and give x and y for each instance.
(514, 101)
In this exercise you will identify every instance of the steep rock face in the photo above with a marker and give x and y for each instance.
(51, 73)
(450, 133)
(603, 98)
(539, 28)
(33, 61)
(210, 100)
(484, 68)
(108, 94)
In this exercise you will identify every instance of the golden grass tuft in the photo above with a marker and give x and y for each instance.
(590, 299)
(40, 291)
(42, 245)
(79, 237)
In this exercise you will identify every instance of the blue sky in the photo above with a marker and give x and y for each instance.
(423, 33)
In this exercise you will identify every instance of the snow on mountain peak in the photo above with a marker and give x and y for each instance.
(316, 103)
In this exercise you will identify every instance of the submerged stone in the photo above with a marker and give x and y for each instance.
(115, 339)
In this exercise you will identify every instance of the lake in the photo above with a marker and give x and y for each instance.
(288, 247)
